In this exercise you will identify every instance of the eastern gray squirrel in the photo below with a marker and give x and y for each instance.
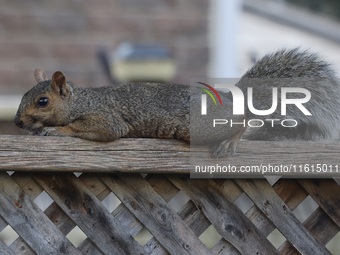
(57, 107)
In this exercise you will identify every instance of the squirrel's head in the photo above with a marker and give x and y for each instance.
(46, 104)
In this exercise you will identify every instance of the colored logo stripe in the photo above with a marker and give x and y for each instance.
(207, 91)
(212, 90)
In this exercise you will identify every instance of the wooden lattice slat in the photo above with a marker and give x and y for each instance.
(226, 218)
(29, 221)
(326, 194)
(155, 214)
(144, 201)
(281, 216)
(319, 225)
(88, 213)
(193, 212)
(5, 250)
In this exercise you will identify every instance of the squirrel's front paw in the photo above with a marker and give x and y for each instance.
(220, 150)
(53, 131)
(48, 131)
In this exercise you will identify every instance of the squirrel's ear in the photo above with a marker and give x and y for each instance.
(40, 75)
(59, 84)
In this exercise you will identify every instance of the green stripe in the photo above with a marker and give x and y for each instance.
(208, 94)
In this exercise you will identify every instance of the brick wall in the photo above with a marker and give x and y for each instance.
(65, 35)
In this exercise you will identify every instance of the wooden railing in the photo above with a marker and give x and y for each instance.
(47, 164)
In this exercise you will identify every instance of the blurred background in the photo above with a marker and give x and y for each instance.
(98, 42)
(137, 39)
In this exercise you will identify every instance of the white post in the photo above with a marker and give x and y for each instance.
(224, 28)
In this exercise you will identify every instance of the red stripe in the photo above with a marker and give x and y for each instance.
(212, 90)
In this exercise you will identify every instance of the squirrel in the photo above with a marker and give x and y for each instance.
(57, 107)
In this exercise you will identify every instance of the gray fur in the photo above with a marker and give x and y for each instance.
(295, 68)
(162, 110)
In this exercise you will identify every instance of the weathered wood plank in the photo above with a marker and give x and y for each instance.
(38, 144)
(27, 184)
(65, 224)
(162, 186)
(53, 212)
(280, 189)
(30, 222)
(34, 153)
(224, 248)
(19, 246)
(262, 194)
(291, 192)
(5, 250)
(226, 217)
(327, 194)
(292, 195)
(32, 189)
(195, 220)
(288, 190)
(320, 225)
(29, 187)
(101, 191)
(232, 192)
(49, 143)
(193, 217)
(99, 161)
(3, 224)
(127, 220)
(88, 213)
(155, 214)
(95, 185)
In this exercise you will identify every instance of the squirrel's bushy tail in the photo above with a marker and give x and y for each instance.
(291, 63)
(301, 69)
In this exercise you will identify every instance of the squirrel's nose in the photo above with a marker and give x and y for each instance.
(19, 123)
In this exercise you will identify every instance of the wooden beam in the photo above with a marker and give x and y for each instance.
(26, 218)
(88, 213)
(228, 220)
(34, 153)
(265, 198)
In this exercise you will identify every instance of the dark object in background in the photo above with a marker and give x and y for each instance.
(326, 7)
(103, 57)
(138, 62)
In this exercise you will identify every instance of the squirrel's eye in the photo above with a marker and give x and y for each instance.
(43, 102)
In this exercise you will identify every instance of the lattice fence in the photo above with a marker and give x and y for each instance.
(145, 204)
